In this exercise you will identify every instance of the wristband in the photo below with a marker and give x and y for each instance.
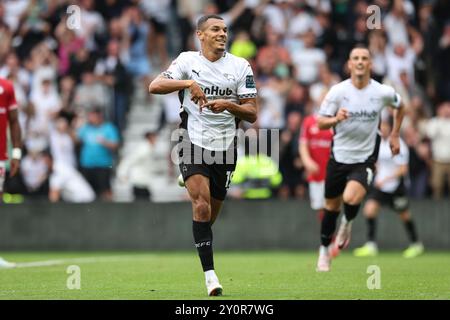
(17, 153)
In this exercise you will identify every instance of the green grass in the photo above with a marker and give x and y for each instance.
(244, 275)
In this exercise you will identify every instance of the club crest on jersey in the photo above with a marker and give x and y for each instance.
(374, 100)
(229, 77)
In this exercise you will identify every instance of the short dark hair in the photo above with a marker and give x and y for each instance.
(203, 19)
(359, 46)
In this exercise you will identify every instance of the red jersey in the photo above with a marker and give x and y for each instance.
(319, 145)
(7, 103)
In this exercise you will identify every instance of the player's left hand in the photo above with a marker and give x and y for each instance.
(14, 167)
(394, 143)
(216, 106)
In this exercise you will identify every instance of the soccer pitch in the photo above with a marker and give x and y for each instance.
(243, 275)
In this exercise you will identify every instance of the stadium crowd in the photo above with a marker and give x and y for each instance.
(72, 82)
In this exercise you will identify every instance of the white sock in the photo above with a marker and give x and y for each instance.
(324, 250)
(210, 274)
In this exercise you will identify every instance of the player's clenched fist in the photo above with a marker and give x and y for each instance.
(341, 115)
(197, 94)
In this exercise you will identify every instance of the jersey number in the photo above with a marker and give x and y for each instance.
(369, 176)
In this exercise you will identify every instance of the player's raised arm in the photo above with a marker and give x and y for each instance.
(163, 85)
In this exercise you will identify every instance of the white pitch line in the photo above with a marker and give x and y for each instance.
(47, 263)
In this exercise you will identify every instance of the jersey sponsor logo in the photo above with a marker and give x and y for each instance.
(216, 91)
(363, 115)
(249, 82)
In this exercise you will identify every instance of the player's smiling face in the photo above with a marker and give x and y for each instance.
(214, 35)
(360, 62)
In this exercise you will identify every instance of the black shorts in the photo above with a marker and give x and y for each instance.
(99, 178)
(397, 200)
(218, 166)
(338, 174)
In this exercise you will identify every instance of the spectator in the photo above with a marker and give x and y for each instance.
(66, 183)
(13, 68)
(291, 166)
(377, 47)
(242, 46)
(158, 13)
(92, 22)
(46, 103)
(256, 176)
(138, 62)
(35, 173)
(62, 144)
(99, 141)
(112, 73)
(443, 56)
(140, 166)
(69, 44)
(438, 131)
(419, 163)
(91, 93)
(308, 60)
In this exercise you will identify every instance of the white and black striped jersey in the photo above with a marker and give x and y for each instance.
(230, 78)
(356, 139)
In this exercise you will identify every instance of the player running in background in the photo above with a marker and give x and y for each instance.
(216, 91)
(8, 117)
(389, 189)
(315, 147)
(352, 108)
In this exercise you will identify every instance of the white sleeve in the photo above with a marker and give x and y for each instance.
(141, 152)
(56, 181)
(331, 103)
(390, 97)
(432, 128)
(403, 157)
(246, 87)
(178, 70)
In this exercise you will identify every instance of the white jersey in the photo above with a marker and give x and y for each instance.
(71, 184)
(229, 78)
(355, 139)
(387, 165)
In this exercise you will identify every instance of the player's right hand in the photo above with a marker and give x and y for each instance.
(342, 114)
(197, 94)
